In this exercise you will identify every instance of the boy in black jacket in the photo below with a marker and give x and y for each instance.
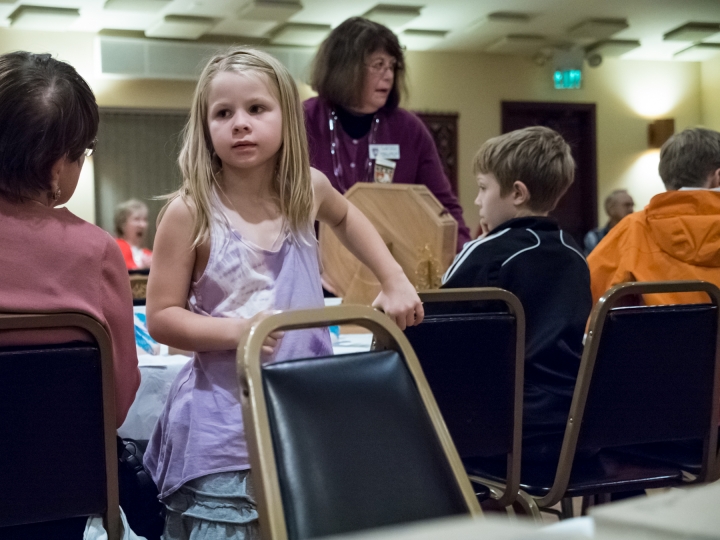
(521, 176)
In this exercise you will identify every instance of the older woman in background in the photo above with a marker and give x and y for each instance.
(355, 126)
(131, 222)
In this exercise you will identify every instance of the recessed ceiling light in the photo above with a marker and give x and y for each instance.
(180, 27)
(145, 6)
(393, 15)
(309, 35)
(698, 52)
(614, 47)
(43, 18)
(510, 17)
(269, 10)
(692, 31)
(517, 44)
(419, 40)
(597, 28)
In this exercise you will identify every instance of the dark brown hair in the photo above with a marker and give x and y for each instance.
(339, 70)
(47, 111)
(688, 158)
(536, 156)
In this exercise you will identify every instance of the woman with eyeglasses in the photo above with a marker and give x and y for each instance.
(53, 260)
(356, 130)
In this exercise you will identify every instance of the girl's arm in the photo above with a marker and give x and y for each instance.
(398, 297)
(169, 320)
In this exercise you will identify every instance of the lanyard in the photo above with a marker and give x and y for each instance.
(335, 151)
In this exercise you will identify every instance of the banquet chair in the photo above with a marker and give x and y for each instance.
(473, 360)
(346, 443)
(648, 374)
(57, 427)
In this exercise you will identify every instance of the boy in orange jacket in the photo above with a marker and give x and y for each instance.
(677, 235)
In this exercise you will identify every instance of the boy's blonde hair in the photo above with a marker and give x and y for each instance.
(536, 156)
(199, 164)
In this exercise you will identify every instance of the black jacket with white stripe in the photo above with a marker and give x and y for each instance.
(543, 266)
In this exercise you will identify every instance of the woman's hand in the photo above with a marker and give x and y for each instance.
(399, 300)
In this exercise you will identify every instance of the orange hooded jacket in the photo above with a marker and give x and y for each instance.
(675, 237)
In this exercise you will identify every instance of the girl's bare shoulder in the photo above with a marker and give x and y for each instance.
(320, 182)
(180, 210)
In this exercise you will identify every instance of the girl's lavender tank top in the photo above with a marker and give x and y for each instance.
(200, 431)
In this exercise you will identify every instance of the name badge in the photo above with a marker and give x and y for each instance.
(384, 151)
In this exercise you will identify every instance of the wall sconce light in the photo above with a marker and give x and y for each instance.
(660, 131)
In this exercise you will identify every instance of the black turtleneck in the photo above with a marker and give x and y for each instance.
(355, 125)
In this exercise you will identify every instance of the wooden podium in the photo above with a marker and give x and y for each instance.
(418, 231)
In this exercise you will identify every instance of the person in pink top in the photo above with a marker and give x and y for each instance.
(53, 261)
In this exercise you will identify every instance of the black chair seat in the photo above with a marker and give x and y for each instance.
(357, 440)
(686, 455)
(606, 472)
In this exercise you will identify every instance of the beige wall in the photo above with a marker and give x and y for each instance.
(710, 71)
(627, 94)
(79, 49)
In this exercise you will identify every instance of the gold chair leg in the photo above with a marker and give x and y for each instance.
(530, 507)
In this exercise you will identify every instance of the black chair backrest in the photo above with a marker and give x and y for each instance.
(653, 375)
(354, 445)
(469, 362)
(52, 456)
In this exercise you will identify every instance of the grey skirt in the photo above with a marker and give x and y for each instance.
(214, 507)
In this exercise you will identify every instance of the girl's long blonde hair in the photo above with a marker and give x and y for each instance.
(200, 165)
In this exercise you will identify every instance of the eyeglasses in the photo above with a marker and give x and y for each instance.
(380, 66)
(90, 150)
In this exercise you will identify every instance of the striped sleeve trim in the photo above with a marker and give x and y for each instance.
(467, 250)
(562, 239)
(511, 257)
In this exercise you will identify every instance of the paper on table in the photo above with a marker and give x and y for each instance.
(679, 513)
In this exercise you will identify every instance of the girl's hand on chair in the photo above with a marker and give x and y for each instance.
(272, 340)
(399, 300)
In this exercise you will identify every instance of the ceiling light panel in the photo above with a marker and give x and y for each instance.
(698, 52)
(180, 27)
(614, 47)
(420, 40)
(269, 10)
(308, 35)
(595, 29)
(510, 17)
(393, 16)
(692, 31)
(43, 18)
(245, 28)
(145, 6)
(517, 44)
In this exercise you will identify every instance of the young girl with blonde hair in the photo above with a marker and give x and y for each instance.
(236, 241)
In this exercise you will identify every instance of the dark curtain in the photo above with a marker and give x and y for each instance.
(136, 158)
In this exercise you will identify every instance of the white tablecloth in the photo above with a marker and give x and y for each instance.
(158, 372)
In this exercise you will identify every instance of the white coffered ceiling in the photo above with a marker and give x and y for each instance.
(521, 27)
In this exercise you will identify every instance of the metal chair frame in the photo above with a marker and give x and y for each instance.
(255, 413)
(505, 494)
(592, 344)
(40, 320)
